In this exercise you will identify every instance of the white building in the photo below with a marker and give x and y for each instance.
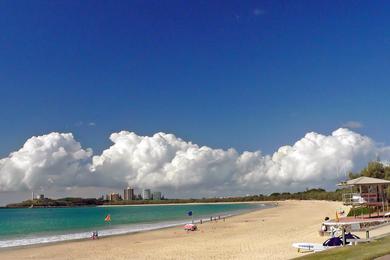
(156, 195)
(146, 194)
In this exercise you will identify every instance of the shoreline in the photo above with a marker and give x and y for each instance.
(191, 203)
(265, 233)
(38, 245)
(125, 229)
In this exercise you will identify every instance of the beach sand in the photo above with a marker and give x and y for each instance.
(263, 234)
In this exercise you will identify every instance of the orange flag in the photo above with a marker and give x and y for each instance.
(108, 218)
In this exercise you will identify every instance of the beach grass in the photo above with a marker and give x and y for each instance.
(370, 250)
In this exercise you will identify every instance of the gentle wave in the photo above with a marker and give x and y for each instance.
(102, 233)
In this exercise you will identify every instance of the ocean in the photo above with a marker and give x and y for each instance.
(29, 226)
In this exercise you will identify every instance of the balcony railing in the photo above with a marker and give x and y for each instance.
(361, 198)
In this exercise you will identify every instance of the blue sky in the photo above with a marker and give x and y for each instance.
(244, 74)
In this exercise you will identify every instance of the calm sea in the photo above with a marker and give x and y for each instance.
(44, 225)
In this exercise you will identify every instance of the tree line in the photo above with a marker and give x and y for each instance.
(374, 169)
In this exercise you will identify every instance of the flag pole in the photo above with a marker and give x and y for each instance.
(189, 213)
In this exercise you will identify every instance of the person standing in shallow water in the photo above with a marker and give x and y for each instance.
(95, 235)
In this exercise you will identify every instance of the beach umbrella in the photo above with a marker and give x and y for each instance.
(190, 227)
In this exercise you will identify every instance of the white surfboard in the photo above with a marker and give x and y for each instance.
(309, 247)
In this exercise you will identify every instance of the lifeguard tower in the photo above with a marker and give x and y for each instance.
(363, 192)
(367, 192)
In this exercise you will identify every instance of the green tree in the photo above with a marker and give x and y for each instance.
(374, 170)
(387, 173)
(352, 175)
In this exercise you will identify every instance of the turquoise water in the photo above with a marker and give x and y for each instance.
(42, 225)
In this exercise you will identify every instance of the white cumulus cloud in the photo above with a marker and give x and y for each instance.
(315, 160)
(164, 161)
(44, 161)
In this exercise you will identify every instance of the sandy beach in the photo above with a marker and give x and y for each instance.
(261, 234)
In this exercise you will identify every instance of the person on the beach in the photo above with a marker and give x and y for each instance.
(95, 235)
(324, 228)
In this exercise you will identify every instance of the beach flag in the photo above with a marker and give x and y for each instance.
(189, 213)
(108, 218)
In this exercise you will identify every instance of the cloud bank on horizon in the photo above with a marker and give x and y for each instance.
(164, 161)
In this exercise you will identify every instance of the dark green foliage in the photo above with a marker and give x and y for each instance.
(374, 169)
(360, 211)
(309, 194)
(64, 202)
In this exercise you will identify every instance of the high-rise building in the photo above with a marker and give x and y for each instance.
(156, 195)
(128, 194)
(115, 196)
(146, 194)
